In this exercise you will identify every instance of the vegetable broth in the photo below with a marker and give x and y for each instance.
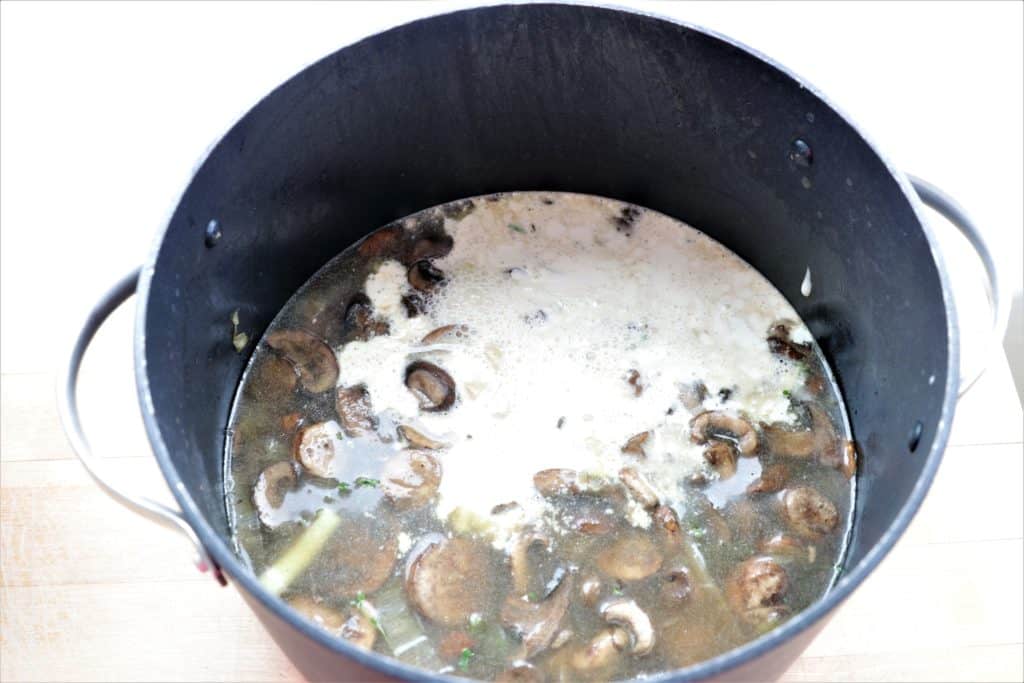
(540, 436)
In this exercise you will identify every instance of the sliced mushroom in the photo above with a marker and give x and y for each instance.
(783, 546)
(692, 395)
(360, 323)
(755, 584)
(268, 493)
(591, 522)
(291, 422)
(354, 410)
(360, 631)
(418, 439)
(639, 487)
(445, 334)
(424, 276)
(626, 613)
(360, 558)
(717, 424)
(667, 527)
(557, 482)
(431, 246)
(780, 343)
(561, 638)
(819, 441)
(536, 623)
(520, 672)
(676, 586)
(774, 478)
(633, 379)
(272, 376)
(632, 557)
(721, 455)
(602, 651)
(447, 582)
(312, 358)
(317, 447)
(635, 445)
(519, 559)
(410, 479)
(326, 618)
(809, 513)
(432, 386)
(384, 243)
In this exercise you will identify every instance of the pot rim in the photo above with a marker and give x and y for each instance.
(221, 551)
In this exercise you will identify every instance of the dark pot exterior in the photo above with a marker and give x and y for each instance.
(556, 97)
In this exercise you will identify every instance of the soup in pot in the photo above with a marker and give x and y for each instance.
(540, 436)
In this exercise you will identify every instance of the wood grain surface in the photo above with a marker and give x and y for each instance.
(90, 592)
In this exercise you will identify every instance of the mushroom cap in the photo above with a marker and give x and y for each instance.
(601, 651)
(773, 479)
(411, 478)
(756, 583)
(424, 276)
(626, 613)
(537, 622)
(719, 424)
(432, 386)
(268, 493)
(632, 557)
(312, 358)
(449, 580)
(317, 446)
(809, 513)
(639, 488)
(721, 455)
(417, 439)
(359, 558)
(556, 482)
(635, 444)
(354, 410)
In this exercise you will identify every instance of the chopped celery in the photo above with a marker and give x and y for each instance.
(300, 554)
(401, 630)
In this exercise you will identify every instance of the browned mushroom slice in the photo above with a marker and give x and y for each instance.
(354, 410)
(783, 546)
(432, 386)
(519, 559)
(721, 455)
(635, 445)
(431, 247)
(809, 513)
(446, 334)
(520, 672)
(536, 623)
(667, 527)
(360, 558)
(819, 441)
(411, 478)
(446, 582)
(774, 478)
(626, 613)
(312, 357)
(384, 243)
(676, 586)
(631, 558)
(692, 395)
(556, 482)
(292, 421)
(326, 618)
(755, 584)
(590, 590)
(360, 631)
(418, 439)
(602, 651)
(424, 276)
(717, 424)
(268, 493)
(639, 488)
(591, 523)
(317, 447)
(633, 379)
(272, 376)
(780, 343)
(360, 322)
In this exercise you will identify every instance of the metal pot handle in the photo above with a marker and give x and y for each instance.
(67, 406)
(955, 214)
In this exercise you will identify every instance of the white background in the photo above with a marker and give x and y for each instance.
(106, 108)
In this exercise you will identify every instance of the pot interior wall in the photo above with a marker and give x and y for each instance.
(561, 98)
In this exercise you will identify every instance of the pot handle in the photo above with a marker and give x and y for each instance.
(67, 406)
(952, 211)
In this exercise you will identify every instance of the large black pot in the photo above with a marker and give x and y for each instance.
(552, 97)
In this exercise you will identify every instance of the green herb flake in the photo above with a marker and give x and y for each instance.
(617, 590)
(787, 393)
(344, 487)
(360, 599)
(366, 481)
(464, 658)
(517, 228)
(532, 597)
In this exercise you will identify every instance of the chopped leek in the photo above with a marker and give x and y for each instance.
(278, 576)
